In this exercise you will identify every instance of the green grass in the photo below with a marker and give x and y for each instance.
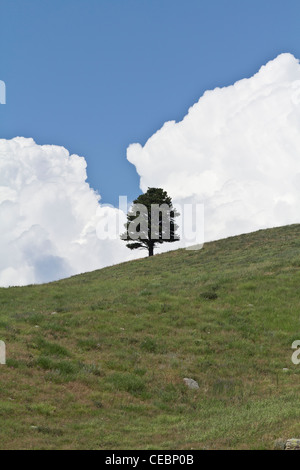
(97, 361)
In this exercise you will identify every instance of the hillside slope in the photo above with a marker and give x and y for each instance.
(97, 361)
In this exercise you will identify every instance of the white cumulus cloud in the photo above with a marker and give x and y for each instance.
(49, 216)
(237, 151)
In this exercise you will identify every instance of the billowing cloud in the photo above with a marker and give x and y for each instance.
(237, 151)
(49, 216)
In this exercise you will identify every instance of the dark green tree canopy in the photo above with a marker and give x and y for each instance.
(151, 221)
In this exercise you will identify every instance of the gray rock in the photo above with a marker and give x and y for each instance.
(279, 444)
(191, 383)
(292, 444)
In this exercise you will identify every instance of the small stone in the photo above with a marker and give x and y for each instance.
(53, 313)
(285, 369)
(292, 444)
(279, 444)
(191, 383)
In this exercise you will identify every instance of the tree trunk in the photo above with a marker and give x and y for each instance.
(151, 250)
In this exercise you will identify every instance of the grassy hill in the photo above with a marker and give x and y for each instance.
(97, 361)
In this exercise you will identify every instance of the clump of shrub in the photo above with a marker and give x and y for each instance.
(210, 294)
(51, 349)
(63, 367)
(149, 345)
(127, 382)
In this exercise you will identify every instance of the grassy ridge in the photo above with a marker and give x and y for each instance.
(97, 361)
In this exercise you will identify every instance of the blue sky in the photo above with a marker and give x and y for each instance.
(98, 75)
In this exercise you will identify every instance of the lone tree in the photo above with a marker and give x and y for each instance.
(151, 221)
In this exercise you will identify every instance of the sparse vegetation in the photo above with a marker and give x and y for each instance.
(97, 361)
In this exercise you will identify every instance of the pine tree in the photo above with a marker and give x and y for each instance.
(151, 221)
